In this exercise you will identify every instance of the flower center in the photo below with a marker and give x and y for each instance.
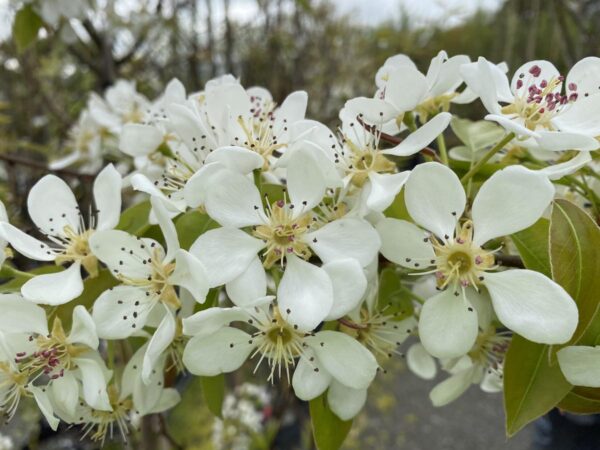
(77, 249)
(283, 233)
(461, 262)
(103, 422)
(434, 105)
(365, 159)
(260, 135)
(490, 349)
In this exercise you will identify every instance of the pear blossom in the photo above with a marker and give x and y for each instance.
(580, 364)
(401, 85)
(35, 362)
(53, 209)
(149, 277)
(533, 106)
(121, 104)
(287, 232)
(326, 359)
(525, 301)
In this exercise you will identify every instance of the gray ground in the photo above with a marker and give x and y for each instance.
(408, 421)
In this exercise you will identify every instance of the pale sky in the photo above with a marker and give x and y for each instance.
(365, 12)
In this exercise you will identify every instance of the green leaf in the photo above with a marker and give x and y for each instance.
(92, 288)
(134, 220)
(213, 391)
(532, 386)
(397, 210)
(574, 244)
(191, 225)
(16, 282)
(329, 431)
(532, 244)
(393, 296)
(477, 135)
(581, 401)
(25, 27)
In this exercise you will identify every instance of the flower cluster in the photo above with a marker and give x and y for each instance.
(263, 241)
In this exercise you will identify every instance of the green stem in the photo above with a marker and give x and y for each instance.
(11, 272)
(441, 142)
(495, 149)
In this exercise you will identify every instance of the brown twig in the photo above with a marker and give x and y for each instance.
(395, 140)
(12, 159)
(351, 324)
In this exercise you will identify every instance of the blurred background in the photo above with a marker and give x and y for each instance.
(331, 49)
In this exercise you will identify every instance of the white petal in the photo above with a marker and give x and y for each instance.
(344, 358)
(564, 140)
(585, 74)
(547, 72)
(532, 305)
(161, 339)
(166, 227)
(449, 77)
(121, 311)
(345, 238)
(420, 362)
(139, 140)
(406, 88)
(238, 159)
(168, 399)
(293, 108)
(196, 187)
(580, 365)
(434, 197)
(208, 321)
(557, 171)
(94, 383)
(107, 197)
(371, 110)
(83, 329)
(52, 206)
(122, 252)
(345, 402)
(249, 286)
(190, 273)
(214, 354)
(225, 253)
(65, 393)
(233, 200)
(21, 316)
(55, 288)
(513, 125)
(306, 183)
(43, 402)
(582, 117)
(422, 137)
(448, 325)
(511, 200)
(452, 388)
(404, 243)
(309, 380)
(482, 303)
(349, 285)
(384, 188)
(305, 294)
(25, 244)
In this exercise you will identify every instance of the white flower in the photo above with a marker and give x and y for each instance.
(534, 105)
(148, 278)
(526, 302)
(54, 210)
(121, 104)
(484, 366)
(285, 232)
(36, 362)
(404, 88)
(326, 359)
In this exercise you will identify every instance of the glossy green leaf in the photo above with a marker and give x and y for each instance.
(532, 384)
(26, 26)
(575, 257)
(581, 401)
(329, 431)
(191, 225)
(16, 281)
(134, 220)
(533, 246)
(476, 135)
(213, 392)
